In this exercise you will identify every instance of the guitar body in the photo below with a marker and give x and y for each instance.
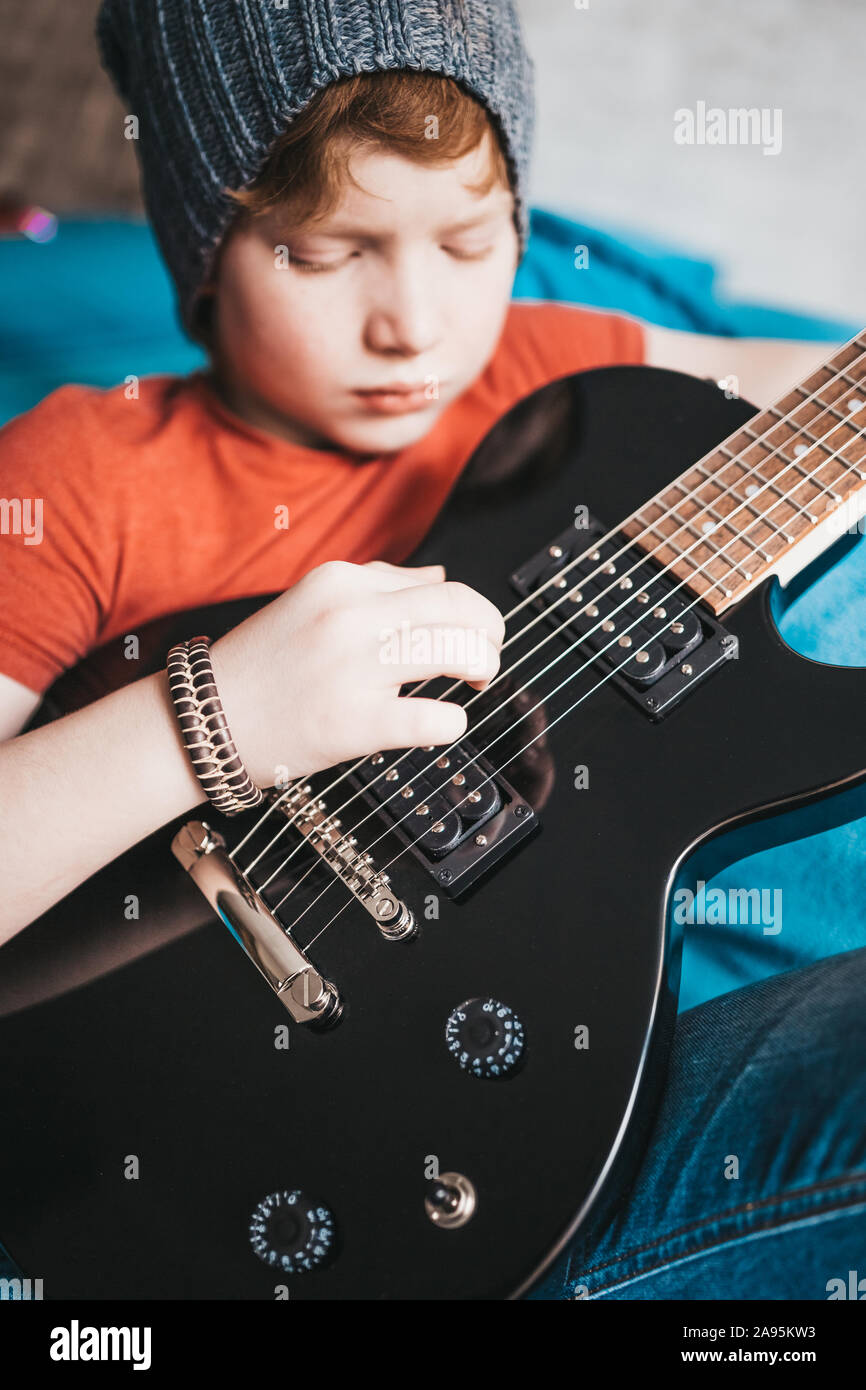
(165, 1048)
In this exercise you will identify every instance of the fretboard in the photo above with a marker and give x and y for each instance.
(773, 495)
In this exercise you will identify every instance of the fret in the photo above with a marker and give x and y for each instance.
(806, 474)
(692, 511)
(704, 538)
(728, 525)
(761, 484)
(675, 556)
(744, 503)
(843, 419)
(765, 500)
(814, 440)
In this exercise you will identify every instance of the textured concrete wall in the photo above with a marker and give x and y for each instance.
(787, 228)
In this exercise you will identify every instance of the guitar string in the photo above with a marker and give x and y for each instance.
(783, 419)
(405, 849)
(808, 477)
(592, 660)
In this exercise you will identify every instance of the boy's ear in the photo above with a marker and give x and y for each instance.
(204, 311)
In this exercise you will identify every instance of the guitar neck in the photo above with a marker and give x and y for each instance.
(773, 495)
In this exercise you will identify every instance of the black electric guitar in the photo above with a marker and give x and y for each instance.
(453, 1042)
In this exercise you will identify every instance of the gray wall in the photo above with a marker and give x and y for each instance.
(787, 229)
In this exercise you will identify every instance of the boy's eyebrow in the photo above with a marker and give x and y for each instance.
(349, 229)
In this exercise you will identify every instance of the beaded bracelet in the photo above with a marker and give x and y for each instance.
(205, 731)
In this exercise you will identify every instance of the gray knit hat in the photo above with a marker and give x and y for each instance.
(215, 82)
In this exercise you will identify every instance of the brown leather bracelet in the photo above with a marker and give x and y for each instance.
(204, 729)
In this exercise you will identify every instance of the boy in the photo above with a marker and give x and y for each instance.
(355, 298)
(353, 289)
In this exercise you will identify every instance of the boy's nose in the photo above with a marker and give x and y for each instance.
(403, 317)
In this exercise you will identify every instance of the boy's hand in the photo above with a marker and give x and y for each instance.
(314, 678)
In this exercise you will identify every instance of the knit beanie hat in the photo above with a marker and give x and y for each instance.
(215, 82)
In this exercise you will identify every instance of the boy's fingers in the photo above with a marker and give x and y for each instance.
(417, 723)
(389, 577)
(448, 604)
(458, 653)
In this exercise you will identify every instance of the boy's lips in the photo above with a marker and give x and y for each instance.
(397, 398)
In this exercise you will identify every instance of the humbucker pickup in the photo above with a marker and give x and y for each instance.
(455, 813)
(624, 607)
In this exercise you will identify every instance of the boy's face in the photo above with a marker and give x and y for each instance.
(406, 280)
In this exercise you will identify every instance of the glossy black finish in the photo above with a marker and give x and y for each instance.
(172, 1056)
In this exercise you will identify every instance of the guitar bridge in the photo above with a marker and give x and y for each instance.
(309, 816)
(307, 996)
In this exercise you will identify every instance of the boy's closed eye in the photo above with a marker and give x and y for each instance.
(318, 263)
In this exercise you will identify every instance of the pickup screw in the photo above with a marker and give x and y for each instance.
(651, 701)
(445, 875)
(520, 811)
(481, 840)
(687, 670)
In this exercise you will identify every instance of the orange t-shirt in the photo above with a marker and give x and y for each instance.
(168, 502)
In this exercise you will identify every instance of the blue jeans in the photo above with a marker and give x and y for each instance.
(754, 1180)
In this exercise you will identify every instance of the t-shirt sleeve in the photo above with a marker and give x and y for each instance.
(57, 547)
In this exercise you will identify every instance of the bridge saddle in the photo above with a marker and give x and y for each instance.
(309, 816)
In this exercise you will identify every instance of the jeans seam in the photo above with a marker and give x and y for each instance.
(745, 1207)
(857, 1200)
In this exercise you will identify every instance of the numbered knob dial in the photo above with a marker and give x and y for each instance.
(485, 1038)
(292, 1232)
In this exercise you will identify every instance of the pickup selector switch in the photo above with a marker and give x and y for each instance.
(292, 1232)
(485, 1038)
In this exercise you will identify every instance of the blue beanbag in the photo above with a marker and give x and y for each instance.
(96, 305)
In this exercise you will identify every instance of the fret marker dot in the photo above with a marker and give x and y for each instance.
(751, 489)
(708, 526)
(855, 405)
(801, 449)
